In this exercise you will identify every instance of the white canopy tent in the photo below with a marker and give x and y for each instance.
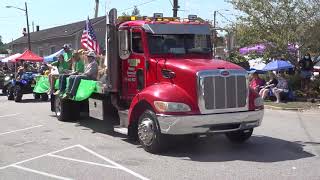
(12, 57)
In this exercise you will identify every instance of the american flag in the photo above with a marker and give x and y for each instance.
(89, 39)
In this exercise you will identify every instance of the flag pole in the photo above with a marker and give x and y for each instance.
(106, 39)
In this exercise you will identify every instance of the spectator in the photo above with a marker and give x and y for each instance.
(272, 83)
(282, 86)
(90, 73)
(306, 67)
(256, 82)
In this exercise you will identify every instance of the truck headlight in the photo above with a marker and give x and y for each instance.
(7, 78)
(171, 106)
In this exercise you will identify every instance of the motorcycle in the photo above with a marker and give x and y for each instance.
(7, 83)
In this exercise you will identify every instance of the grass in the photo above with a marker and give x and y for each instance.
(299, 105)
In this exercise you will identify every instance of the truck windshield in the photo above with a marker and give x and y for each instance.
(179, 44)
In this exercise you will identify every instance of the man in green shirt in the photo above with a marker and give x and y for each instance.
(61, 65)
(63, 68)
(67, 55)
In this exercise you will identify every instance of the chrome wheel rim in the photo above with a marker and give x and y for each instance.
(58, 106)
(146, 131)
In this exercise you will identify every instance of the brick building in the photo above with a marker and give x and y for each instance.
(48, 41)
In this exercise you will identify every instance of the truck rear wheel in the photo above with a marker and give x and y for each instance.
(66, 110)
(149, 133)
(239, 136)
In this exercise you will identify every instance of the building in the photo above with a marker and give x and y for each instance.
(48, 41)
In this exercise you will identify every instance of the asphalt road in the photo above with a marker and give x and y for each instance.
(35, 145)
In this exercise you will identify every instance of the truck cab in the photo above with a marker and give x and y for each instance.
(163, 81)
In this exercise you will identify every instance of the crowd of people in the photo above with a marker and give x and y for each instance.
(75, 65)
(278, 85)
(72, 64)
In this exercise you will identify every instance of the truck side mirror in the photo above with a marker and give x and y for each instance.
(124, 51)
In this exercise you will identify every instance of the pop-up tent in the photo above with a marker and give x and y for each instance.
(28, 56)
(12, 57)
(53, 57)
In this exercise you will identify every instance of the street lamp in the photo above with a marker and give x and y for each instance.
(28, 31)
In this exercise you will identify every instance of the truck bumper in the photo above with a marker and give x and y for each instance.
(209, 123)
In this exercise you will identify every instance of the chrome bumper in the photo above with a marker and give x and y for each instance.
(210, 123)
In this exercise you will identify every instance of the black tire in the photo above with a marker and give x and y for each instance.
(5, 90)
(66, 110)
(44, 97)
(239, 136)
(10, 93)
(155, 143)
(17, 93)
(36, 96)
(52, 102)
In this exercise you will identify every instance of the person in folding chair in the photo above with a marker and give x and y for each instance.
(90, 73)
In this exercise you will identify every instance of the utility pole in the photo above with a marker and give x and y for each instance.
(96, 9)
(214, 19)
(32, 26)
(28, 29)
(175, 8)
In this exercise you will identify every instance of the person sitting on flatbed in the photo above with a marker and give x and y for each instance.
(63, 68)
(77, 68)
(90, 73)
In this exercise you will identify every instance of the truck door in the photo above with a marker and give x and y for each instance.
(133, 68)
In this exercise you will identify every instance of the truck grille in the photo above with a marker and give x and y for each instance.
(222, 93)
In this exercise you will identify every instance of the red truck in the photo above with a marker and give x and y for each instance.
(162, 81)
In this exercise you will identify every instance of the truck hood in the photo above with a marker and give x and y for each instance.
(196, 65)
(185, 71)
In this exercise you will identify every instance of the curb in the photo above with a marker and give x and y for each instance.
(281, 108)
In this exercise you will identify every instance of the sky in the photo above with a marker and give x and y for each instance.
(51, 13)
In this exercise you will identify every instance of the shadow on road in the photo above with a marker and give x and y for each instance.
(215, 148)
(32, 101)
(100, 126)
(257, 149)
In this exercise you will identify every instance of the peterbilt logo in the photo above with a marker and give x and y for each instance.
(224, 73)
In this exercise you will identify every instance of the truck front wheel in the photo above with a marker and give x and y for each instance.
(239, 136)
(149, 133)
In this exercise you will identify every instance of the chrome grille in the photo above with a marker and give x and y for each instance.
(218, 93)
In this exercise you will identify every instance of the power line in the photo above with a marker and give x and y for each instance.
(138, 5)
(225, 17)
(171, 3)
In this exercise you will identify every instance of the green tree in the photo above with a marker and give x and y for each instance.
(279, 22)
(3, 48)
